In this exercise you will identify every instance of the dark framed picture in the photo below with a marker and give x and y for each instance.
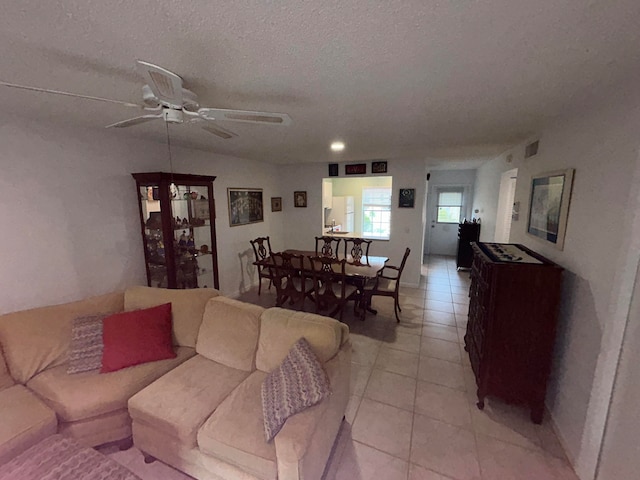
(245, 206)
(407, 198)
(333, 169)
(355, 169)
(300, 199)
(276, 204)
(378, 167)
(549, 206)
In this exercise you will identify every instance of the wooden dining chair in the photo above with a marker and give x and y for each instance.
(289, 277)
(262, 250)
(387, 284)
(356, 251)
(330, 289)
(327, 246)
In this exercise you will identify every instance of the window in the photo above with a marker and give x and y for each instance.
(376, 212)
(449, 205)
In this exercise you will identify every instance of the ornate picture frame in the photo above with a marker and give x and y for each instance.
(276, 204)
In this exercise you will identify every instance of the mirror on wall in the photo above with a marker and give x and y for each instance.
(358, 207)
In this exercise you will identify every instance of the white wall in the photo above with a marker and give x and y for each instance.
(487, 191)
(601, 143)
(234, 250)
(70, 216)
(302, 224)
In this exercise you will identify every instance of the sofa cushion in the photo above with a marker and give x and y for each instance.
(282, 328)
(37, 339)
(85, 351)
(6, 380)
(235, 431)
(25, 421)
(187, 307)
(297, 384)
(85, 395)
(179, 402)
(140, 336)
(229, 332)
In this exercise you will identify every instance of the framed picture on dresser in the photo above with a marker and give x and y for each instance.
(549, 206)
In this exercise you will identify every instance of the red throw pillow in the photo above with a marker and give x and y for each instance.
(140, 336)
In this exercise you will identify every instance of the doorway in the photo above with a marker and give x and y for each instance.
(447, 206)
(507, 211)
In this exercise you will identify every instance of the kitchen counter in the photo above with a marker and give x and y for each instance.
(329, 233)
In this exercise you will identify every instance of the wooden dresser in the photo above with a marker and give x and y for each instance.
(513, 309)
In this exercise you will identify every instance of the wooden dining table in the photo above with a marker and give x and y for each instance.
(360, 273)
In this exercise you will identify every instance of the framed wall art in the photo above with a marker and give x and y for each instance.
(355, 169)
(549, 206)
(276, 204)
(333, 169)
(300, 199)
(407, 198)
(378, 167)
(245, 206)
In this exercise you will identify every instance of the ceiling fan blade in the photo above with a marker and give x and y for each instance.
(166, 85)
(134, 121)
(220, 132)
(68, 94)
(245, 116)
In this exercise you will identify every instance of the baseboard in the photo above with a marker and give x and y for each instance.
(563, 443)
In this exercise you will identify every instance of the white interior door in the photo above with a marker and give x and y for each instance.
(448, 209)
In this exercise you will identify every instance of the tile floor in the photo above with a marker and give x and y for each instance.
(412, 413)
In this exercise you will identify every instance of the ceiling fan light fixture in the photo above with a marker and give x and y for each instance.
(172, 115)
(337, 146)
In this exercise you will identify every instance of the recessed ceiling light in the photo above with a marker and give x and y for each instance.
(337, 146)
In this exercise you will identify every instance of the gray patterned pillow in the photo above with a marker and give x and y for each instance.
(85, 352)
(298, 383)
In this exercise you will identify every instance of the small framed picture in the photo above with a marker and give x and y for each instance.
(333, 169)
(355, 169)
(378, 167)
(276, 204)
(300, 199)
(407, 198)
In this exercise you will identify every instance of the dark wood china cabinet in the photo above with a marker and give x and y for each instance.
(177, 221)
(513, 309)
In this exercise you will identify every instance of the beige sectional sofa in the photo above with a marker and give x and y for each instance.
(200, 412)
(205, 416)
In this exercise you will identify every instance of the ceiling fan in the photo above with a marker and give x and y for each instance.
(165, 98)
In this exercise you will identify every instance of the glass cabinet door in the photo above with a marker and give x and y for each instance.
(192, 237)
(178, 230)
(151, 211)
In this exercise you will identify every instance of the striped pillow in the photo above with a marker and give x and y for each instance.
(298, 383)
(85, 352)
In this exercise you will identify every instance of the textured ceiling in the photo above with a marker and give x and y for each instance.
(393, 79)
